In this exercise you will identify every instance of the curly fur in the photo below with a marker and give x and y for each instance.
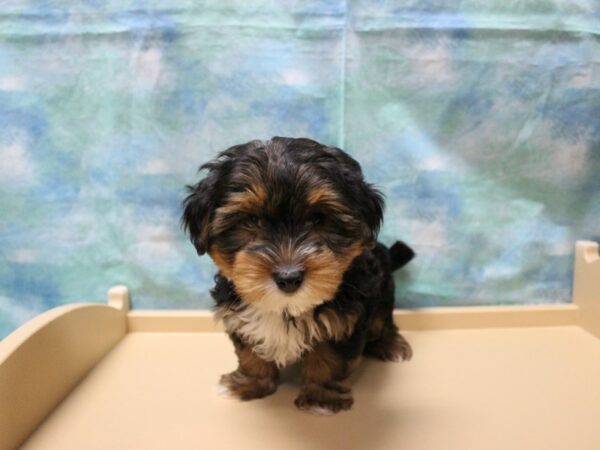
(297, 205)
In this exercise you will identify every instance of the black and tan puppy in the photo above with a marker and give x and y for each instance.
(292, 226)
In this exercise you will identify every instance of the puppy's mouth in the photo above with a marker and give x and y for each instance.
(289, 279)
(290, 288)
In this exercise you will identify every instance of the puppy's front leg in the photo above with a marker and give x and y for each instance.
(254, 377)
(325, 384)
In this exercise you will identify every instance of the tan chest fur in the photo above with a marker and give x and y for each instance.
(283, 341)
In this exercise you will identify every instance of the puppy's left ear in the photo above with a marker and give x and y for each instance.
(368, 199)
(371, 205)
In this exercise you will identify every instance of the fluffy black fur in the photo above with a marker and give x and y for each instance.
(367, 289)
(297, 203)
(275, 165)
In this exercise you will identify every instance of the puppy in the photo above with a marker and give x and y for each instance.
(292, 225)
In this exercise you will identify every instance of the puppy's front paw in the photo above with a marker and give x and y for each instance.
(322, 401)
(239, 385)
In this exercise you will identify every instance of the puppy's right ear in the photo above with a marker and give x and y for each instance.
(198, 208)
(205, 197)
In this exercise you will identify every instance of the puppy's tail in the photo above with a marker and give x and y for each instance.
(400, 255)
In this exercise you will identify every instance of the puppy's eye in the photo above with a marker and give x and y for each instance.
(316, 219)
(253, 219)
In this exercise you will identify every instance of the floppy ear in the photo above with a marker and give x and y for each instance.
(198, 208)
(371, 206)
(205, 197)
(367, 198)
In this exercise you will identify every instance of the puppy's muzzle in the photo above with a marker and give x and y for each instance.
(288, 279)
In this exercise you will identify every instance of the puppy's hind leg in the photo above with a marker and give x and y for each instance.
(384, 342)
(390, 345)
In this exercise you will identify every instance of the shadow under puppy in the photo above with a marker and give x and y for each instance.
(292, 226)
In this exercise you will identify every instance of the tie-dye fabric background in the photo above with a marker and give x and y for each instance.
(480, 121)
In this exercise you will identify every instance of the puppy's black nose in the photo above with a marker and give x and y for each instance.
(288, 280)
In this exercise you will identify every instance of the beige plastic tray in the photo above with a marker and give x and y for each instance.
(89, 376)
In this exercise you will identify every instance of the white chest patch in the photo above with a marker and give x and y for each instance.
(273, 337)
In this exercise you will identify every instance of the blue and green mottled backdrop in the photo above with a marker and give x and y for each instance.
(481, 123)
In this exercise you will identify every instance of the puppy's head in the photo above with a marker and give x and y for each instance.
(283, 220)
